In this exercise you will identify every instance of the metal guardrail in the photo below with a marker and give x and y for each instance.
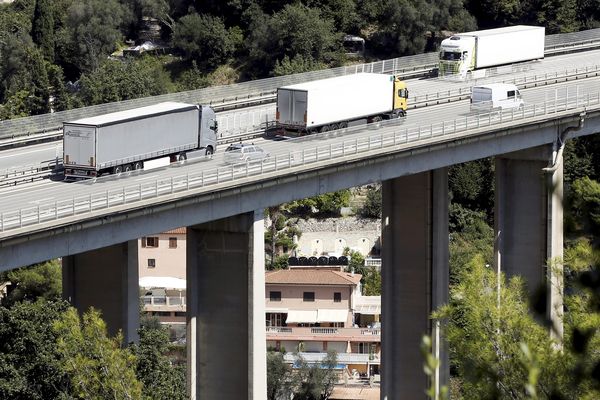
(392, 139)
(246, 126)
(230, 95)
(12, 177)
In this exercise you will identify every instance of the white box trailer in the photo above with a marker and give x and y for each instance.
(124, 140)
(333, 103)
(465, 52)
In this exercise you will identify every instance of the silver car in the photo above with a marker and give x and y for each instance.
(242, 152)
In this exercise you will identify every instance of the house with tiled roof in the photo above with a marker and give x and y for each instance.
(162, 260)
(313, 310)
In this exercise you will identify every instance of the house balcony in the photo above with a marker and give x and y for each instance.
(164, 303)
(322, 333)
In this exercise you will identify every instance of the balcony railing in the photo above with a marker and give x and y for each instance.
(168, 301)
(322, 331)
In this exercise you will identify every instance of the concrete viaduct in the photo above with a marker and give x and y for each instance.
(225, 262)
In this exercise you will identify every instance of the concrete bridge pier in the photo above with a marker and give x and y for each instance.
(415, 279)
(106, 279)
(226, 342)
(529, 223)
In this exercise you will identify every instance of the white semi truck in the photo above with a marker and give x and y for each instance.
(125, 140)
(336, 103)
(468, 54)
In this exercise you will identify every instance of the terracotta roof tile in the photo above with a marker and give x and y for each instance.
(311, 277)
(177, 230)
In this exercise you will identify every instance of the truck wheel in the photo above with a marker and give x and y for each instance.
(401, 114)
(209, 151)
(128, 168)
(376, 121)
(118, 169)
(138, 165)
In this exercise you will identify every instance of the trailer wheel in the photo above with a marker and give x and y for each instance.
(128, 168)
(376, 121)
(118, 169)
(138, 165)
(181, 157)
(324, 128)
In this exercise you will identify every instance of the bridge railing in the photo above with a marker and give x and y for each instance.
(392, 136)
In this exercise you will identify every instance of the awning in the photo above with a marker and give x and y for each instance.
(368, 309)
(166, 282)
(301, 317)
(329, 315)
(276, 310)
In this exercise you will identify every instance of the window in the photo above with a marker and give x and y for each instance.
(151, 263)
(172, 242)
(150, 241)
(275, 296)
(510, 93)
(308, 296)
(180, 313)
(337, 297)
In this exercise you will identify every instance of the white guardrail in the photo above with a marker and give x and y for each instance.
(393, 137)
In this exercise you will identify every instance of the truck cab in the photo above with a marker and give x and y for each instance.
(457, 55)
(496, 96)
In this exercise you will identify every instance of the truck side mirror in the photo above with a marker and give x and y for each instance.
(214, 126)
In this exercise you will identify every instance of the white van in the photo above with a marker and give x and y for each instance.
(495, 96)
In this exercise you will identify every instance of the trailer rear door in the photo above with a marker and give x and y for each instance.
(291, 107)
(79, 145)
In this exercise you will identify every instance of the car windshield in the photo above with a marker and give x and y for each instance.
(234, 147)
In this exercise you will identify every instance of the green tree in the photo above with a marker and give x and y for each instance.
(43, 27)
(296, 65)
(118, 81)
(296, 31)
(279, 376)
(30, 365)
(585, 200)
(486, 357)
(61, 98)
(160, 379)
(192, 79)
(90, 33)
(204, 39)
(40, 281)
(372, 206)
(323, 205)
(557, 16)
(372, 282)
(279, 237)
(97, 365)
(316, 381)
(472, 185)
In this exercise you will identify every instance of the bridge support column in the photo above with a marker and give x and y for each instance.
(106, 279)
(226, 339)
(529, 224)
(415, 279)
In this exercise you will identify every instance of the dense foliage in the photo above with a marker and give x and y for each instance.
(303, 381)
(45, 45)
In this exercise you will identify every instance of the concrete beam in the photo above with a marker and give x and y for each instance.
(36, 244)
(106, 279)
(415, 279)
(226, 309)
(529, 223)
